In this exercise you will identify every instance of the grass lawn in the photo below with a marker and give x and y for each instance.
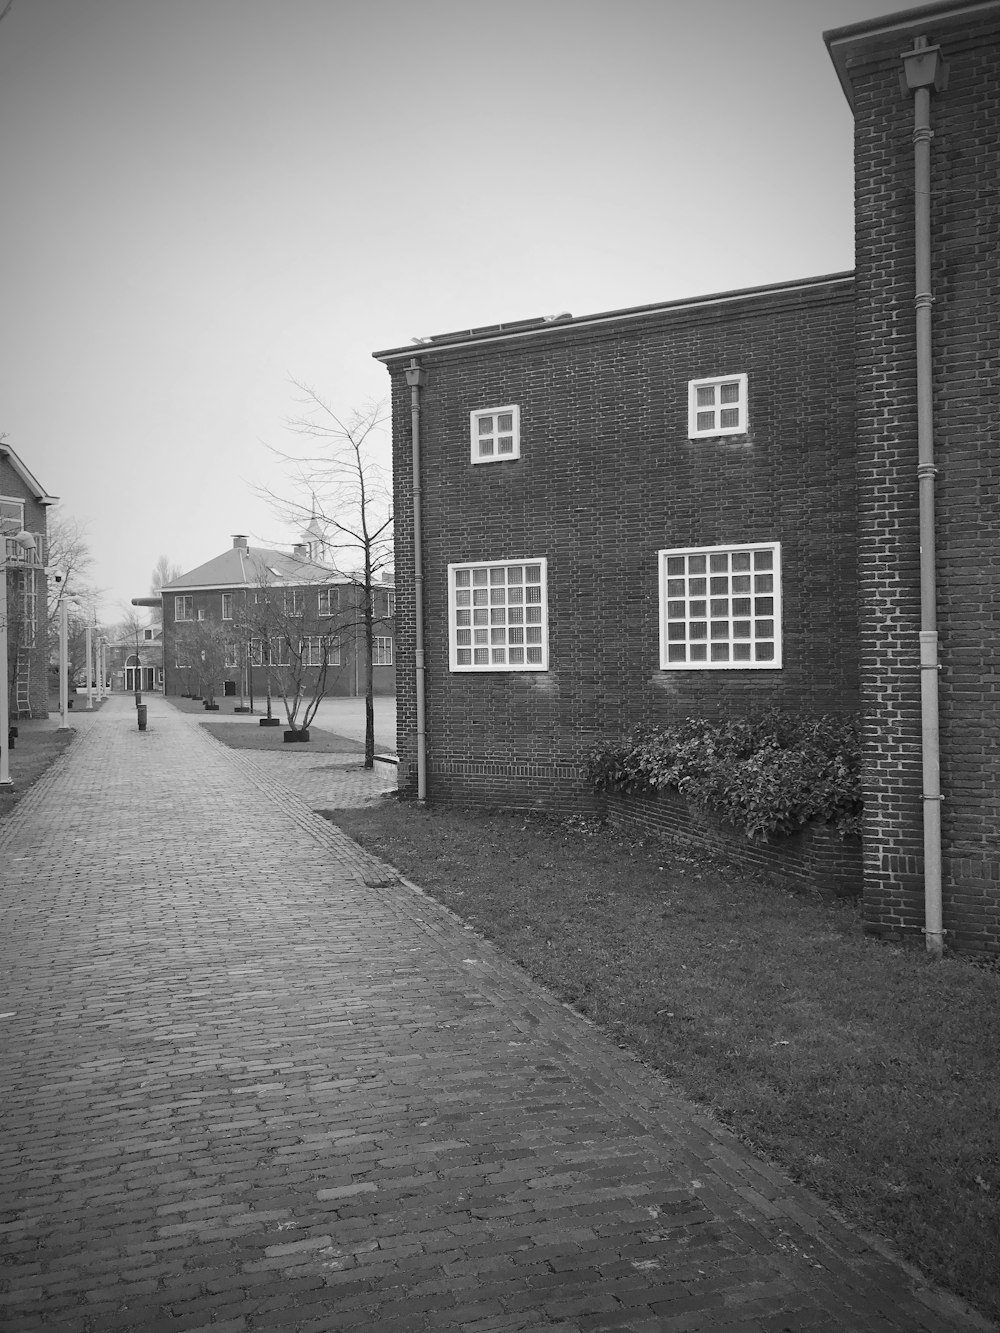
(34, 750)
(869, 1072)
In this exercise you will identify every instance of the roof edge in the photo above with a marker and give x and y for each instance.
(28, 477)
(511, 332)
(842, 42)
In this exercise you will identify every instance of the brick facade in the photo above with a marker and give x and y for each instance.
(827, 466)
(27, 592)
(608, 477)
(965, 280)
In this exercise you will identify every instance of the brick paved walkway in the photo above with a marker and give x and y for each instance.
(253, 1082)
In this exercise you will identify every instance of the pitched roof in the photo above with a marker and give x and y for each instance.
(32, 483)
(254, 567)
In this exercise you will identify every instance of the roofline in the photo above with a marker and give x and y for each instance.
(29, 479)
(840, 40)
(341, 582)
(509, 333)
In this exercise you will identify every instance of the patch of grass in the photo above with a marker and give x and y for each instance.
(869, 1072)
(34, 751)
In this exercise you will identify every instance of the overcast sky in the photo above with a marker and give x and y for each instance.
(202, 199)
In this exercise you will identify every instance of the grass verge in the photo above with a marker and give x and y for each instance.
(867, 1071)
(36, 748)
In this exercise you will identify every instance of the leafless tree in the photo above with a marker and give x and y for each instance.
(164, 571)
(342, 493)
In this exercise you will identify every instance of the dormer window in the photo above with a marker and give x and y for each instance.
(496, 434)
(717, 406)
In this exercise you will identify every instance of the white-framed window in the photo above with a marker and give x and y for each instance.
(496, 434)
(381, 650)
(295, 602)
(232, 655)
(390, 604)
(720, 607)
(227, 606)
(184, 607)
(201, 613)
(717, 406)
(498, 616)
(329, 601)
(312, 650)
(11, 514)
(256, 652)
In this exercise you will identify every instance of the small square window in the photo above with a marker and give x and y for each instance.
(717, 407)
(496, 434)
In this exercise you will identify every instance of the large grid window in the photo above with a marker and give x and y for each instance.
(498, 618)
(720, 607)
(381, 650)
(184, 607)
(717, 406)
(496, 434)
(315, 645)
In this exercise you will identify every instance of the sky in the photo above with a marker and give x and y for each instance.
(206, 201)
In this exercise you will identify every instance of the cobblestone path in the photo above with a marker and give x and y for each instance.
(251, 1081)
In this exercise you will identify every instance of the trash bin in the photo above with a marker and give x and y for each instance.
(140, 713)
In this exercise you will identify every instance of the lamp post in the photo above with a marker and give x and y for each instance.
(27, 543)
(90, 658)
(64, 609)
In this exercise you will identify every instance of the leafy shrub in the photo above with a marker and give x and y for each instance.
(769, 775)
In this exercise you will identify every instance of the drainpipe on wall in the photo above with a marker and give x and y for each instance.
(416, 379)
(923, 70)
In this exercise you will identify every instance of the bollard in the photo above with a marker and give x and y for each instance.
(140, 713)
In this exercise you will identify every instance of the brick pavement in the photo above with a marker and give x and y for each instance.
(253, 1081)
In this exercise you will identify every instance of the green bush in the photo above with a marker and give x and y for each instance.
(767, 776)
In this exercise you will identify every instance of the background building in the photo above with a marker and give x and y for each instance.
(23, 506)
(223, 620)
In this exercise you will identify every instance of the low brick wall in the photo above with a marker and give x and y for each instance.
(815, 859)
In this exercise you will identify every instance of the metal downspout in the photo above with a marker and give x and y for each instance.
(416, 379)
(923, 70)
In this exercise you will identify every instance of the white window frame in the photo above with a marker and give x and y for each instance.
(184, 606)
(231, 656)
(312, 650)
(480, 435)
(381, 650)
(294, 602)
(227, 606)
(463, 614)
(717, 386)
(8, 505)
(691, 625)
(331, 596)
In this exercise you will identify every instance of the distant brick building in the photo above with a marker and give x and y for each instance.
(23, 507)
(714, 506)
(252, 596)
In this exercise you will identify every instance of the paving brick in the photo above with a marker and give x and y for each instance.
(252, 1080)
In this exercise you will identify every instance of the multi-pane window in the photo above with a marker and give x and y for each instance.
(227, 606)
(717, 406)
(381, 650)
(496, 434)
(184, 607)
(720, 606)
(329, 601)
(232, 658)
(295, 602)
(11, 514)
(497, 616)
(312, 650)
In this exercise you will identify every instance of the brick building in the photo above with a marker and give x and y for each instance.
(715, 506)
(245, 605)
(23, 507)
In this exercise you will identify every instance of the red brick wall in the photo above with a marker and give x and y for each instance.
(966, 316)
(607, 478)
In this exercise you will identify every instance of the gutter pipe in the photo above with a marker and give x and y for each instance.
(417, 379)
(923, 70)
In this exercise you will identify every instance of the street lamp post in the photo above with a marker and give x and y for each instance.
(64, 609)
(27, 543)
(90, 658)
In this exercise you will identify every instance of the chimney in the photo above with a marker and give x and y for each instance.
(240, 543)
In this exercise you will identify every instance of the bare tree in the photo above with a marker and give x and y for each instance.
(164, 571)
(342, 494)
(69, 557)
